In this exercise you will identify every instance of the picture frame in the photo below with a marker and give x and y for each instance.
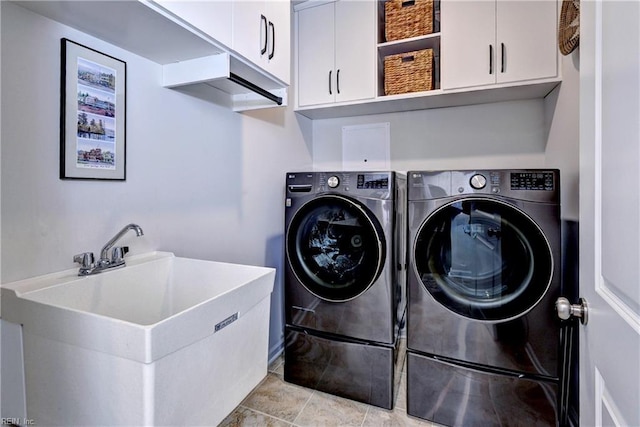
(92, 114)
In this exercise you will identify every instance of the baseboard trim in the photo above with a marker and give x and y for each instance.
(276, 350)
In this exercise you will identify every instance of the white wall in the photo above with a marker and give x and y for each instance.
(0, 220)
(202, 181)
(562, 111)
(477, 136)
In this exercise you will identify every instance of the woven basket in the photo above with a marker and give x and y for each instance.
(569, 26)
(407, 18)
(408, 72)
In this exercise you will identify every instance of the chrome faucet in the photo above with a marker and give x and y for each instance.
(86, 259)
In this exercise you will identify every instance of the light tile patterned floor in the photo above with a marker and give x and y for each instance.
(276, 403)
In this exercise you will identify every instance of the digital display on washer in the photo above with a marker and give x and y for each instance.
(532, 181)
(373, 180)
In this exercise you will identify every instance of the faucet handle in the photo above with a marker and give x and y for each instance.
(118, 253)
(84, 259)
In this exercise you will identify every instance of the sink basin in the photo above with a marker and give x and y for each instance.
(161, 312)
(139, 304)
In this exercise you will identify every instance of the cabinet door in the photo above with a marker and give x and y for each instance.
(315, 50)
(467, 43)
(278, 54)
(250, 27)
(355, 50)
(212, 18)
(526, 40)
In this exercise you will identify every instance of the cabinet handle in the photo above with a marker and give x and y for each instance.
(490, 59)
(330, 93)
(263, 20)
(338, 81)
(273, 39)
(503, 53)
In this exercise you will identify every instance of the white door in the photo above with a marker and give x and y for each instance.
(526, 46)
(262, 34)
(315, 45)
(610, 212)
(355, 44)
(250, 27)
(278, 53)
(467, 46)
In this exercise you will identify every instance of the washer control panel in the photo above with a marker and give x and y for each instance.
(374, 184)
(373, 180)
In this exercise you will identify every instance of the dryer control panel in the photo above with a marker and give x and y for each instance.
(537, 185)
(532, 181)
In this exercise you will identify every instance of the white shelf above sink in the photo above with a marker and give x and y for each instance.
(228, 76)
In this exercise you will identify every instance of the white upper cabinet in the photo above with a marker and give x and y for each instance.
(212, 18)
(497, 42)
(262, 34)
(483, 51)
(191, 39)
(336, 52)
(355, 50)
(260, 31)
(467, 43)
(279, 52)
(528, 32)
(315, 55)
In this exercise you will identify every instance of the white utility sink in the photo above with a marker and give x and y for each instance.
(156, 342)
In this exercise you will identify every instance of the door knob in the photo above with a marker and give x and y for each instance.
(566, 310)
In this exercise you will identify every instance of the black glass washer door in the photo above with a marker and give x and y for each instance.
(335, 247)
(483, 259)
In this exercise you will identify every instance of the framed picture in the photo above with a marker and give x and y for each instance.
(92, 114)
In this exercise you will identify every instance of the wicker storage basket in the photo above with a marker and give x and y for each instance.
(569, 26)
(408, 72)
(407, 18)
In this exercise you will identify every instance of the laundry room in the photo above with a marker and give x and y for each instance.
(208, 174)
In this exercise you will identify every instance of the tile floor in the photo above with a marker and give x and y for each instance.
(275, 403)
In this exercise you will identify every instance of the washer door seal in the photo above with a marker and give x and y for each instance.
(335, 247)
(483, 259)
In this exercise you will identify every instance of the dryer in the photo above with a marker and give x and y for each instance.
(344, 282)
(483, 338)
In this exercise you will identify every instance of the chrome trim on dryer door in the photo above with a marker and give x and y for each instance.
(461, 262)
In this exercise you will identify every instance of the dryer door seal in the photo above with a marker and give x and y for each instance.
(483, 259)
(335, 247)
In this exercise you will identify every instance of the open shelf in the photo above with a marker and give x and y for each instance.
(427, 41)
(436, 98)
(430, 41)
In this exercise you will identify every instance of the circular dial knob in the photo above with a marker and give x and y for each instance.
(478, 181)
(333, 182)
